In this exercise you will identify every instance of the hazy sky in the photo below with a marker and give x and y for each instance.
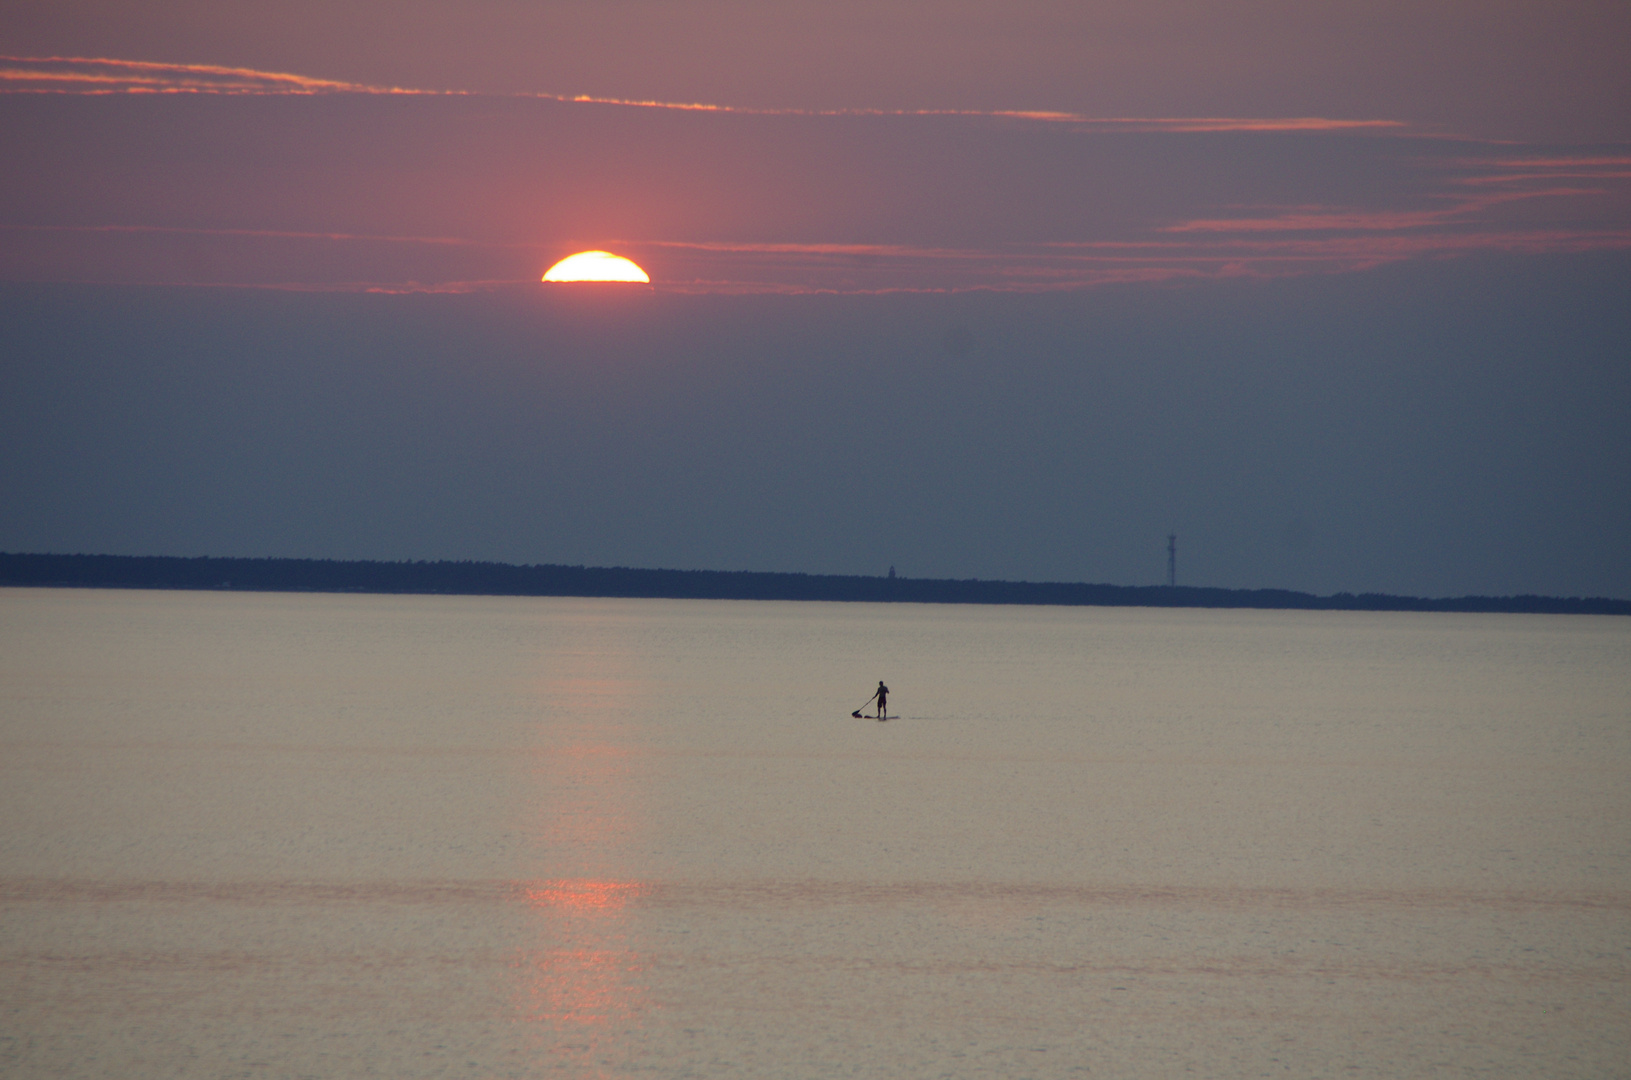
(1336, 291)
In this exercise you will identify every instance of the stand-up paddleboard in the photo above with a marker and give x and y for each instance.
(880, 695)
(859, 715)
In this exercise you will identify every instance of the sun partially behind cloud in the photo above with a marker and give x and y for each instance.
(596, 266)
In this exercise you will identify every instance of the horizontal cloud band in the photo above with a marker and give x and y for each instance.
(142, 172)
(108, 75)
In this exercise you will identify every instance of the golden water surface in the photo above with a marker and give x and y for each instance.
(314, 835)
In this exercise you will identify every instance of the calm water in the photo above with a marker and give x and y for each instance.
(337, 836)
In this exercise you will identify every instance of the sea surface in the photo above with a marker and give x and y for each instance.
(302, 835)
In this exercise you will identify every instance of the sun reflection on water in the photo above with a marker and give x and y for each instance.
(582, 991)
(582, 896)
(582, 996)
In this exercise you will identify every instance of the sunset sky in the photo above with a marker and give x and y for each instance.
(1338, 292)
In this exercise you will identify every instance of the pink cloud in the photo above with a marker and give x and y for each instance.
(108, 75)
(794, 269)
(284, 234)
(1558, 162)
(103, 75)
(1383, 220)
(1001, 203)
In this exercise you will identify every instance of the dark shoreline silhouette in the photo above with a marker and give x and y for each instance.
(503, 579)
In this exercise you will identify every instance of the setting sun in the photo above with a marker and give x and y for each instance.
(596, 266)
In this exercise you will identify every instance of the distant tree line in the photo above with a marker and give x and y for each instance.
(502, 579)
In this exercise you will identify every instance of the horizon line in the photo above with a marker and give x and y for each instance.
(880, 588)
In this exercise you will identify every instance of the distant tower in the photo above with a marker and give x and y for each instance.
(1172, 559)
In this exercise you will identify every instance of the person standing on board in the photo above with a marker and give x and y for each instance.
(883, 700)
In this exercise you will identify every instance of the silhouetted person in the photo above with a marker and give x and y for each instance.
(883, 700)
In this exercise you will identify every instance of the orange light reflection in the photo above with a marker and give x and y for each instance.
(582, 896)
(581, 995)
(571, 989)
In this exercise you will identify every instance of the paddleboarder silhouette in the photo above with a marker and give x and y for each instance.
(881, 695)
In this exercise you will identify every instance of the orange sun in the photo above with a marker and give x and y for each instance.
(596, 266)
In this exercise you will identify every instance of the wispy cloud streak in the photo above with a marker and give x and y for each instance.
(1077, 213)
(275, 234)
(1060, 266)
(1549, 169)
(109, 75)
(1319, 219)
(798, 269)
